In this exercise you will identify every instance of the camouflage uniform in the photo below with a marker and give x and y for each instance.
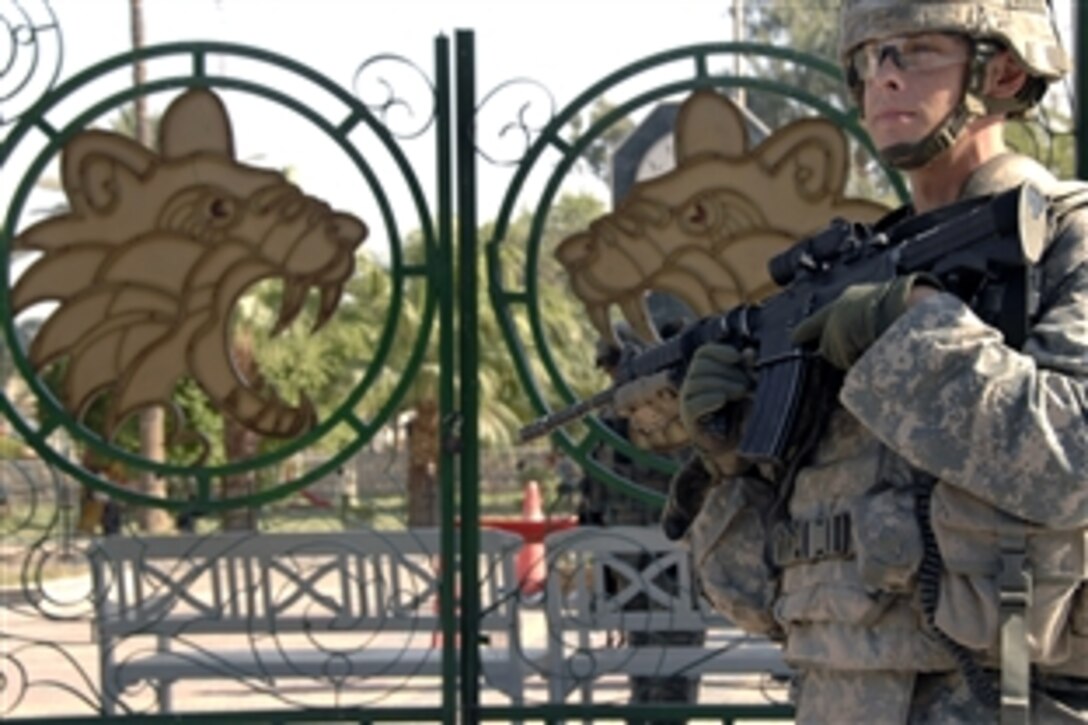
(946, 455)
(1004, 432)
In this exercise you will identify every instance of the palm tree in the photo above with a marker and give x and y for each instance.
(507, 406)
(240, 443)
(139, 74)
(326, 366)
(10, 382)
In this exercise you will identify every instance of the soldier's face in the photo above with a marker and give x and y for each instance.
(911, 84)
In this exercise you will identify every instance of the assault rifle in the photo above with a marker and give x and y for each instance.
(981, 249)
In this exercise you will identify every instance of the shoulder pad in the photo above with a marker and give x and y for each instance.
(1067, 196)
(1005, 172)
(1009, 170)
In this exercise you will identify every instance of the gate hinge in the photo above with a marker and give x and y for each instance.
(451, 433)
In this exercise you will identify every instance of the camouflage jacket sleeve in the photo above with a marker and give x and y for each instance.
(727, 540)
(943, 390)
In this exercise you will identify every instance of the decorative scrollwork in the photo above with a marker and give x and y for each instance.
(510, 116)
(21, 494)
(30, 55)
(13, 683)
(41, 544)
(216, 210)
(376, 84)
(107, 464)
(53, 597)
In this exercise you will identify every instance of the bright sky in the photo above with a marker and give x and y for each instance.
(564, 45)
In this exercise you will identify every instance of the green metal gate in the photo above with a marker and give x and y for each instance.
(428, 328)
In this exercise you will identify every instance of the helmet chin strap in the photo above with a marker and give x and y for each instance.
(916, 154)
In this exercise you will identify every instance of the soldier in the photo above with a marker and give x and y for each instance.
(926, 561)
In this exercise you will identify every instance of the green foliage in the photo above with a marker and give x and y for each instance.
(328, 365)
(598, 155)
(203, 427)
(93, 418)
(12, 448)
(25, 331)
(1047, 139)
(568, 335)
(809, 31)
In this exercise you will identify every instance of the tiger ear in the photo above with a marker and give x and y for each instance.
(813, 151)
(92, 164)
(708, 122)
(195, 122)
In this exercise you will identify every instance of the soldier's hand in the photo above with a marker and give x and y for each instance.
(718, 376)
(651, 408)
(844, 329)
(687, 491)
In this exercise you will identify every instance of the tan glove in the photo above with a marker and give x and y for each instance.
(652, 410)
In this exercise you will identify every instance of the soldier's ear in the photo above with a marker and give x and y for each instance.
(709, 123)
(92, 165)
(813, 152)
(196, 122)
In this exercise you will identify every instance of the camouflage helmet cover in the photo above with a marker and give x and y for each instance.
(1022, 25)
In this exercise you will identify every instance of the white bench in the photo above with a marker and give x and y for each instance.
(335, 607)
(614, 580)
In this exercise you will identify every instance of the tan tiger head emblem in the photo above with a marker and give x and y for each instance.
(154, 254)
(705, 230)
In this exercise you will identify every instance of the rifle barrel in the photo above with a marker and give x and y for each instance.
(550, 422)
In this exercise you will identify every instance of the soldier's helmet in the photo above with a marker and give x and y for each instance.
(1023, 26)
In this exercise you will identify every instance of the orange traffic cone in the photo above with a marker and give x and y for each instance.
(532, 569)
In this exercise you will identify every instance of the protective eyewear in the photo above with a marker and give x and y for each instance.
(910, 54)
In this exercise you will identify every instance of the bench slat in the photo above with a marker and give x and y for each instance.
(359, 583)
(627, 580)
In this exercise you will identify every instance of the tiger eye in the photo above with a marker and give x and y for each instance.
(221, 208)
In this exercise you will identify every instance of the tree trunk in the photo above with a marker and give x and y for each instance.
(139, 74)
(239, 443)
(154, 520)
(423, 448)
